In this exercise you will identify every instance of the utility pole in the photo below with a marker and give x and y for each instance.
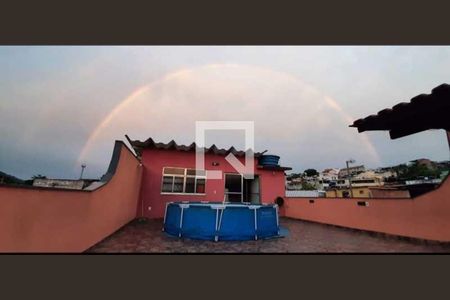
(349, 176)
(82, 170)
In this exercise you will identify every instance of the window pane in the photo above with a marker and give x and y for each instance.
(200, 186)
(178, 184)
(167, 184)
(196, 172)
(190, 185)
(174, 171)
(233, 183)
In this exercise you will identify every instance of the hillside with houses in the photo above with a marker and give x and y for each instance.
(402, 181)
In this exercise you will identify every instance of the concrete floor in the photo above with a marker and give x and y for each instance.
(147, 237)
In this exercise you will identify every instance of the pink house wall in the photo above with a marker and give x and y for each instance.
(49, 220)
(153, 203)
(424, 217)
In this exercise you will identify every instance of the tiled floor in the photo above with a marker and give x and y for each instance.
(303, 237)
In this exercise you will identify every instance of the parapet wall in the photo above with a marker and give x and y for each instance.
(54, 220)
(424, 217)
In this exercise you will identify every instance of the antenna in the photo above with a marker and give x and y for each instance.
(82, 170)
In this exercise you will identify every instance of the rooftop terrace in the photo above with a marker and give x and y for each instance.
(147, 237)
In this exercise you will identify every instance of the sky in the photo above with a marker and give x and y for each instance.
(61, 106)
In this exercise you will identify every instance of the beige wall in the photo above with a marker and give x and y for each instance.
(58, 183)
(361, 192)
(48, 220)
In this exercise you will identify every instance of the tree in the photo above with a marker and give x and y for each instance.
(414, 171)
(294, 175)
(308, 187)
(311, 172)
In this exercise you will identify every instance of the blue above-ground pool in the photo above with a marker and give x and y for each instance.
(221, 222)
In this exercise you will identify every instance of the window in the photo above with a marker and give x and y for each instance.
(167, 184)
(363, 181)
(190, 185)
(184, 181)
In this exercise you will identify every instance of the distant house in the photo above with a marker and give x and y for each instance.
(358, 182)
(376, 176)
(344, 192)
(329, 174)
(327, 177)
(361, 187)
(63, 183)
(368, 192)
(351, 171)
(294, 184)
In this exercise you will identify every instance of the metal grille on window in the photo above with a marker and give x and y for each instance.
(178, 184)
(190, 185)
(167, 184)
(200, 187)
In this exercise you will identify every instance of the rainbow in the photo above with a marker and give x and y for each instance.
(186, 72)
(118, 108)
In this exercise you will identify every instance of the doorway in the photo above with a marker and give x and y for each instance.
(241, 190)
(252, 190)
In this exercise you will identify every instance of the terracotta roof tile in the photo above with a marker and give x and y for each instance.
(138, 146)
(423, 112)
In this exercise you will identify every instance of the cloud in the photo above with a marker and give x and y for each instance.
(291, 118)
(302, 99)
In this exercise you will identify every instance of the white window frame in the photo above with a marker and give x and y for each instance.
(184, 176)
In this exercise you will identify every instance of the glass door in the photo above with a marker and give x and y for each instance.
(233, 188)
(252, 191)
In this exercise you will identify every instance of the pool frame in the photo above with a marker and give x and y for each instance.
(220, 207)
